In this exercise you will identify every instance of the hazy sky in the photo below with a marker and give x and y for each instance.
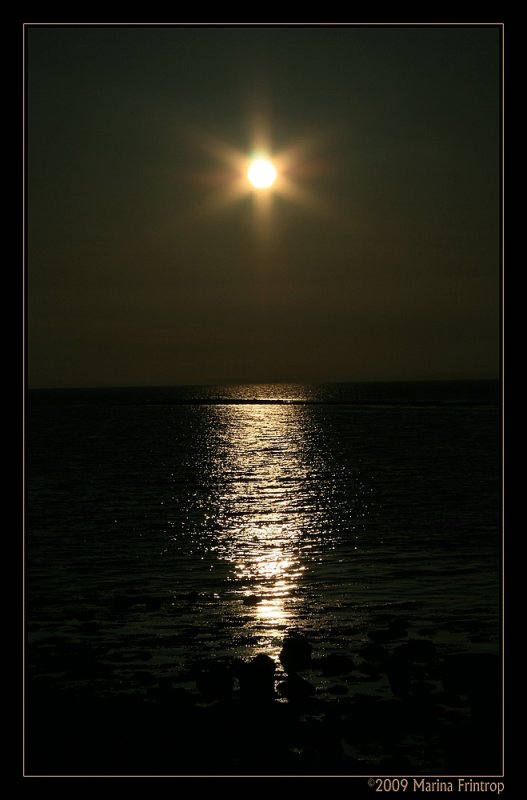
(150, 259)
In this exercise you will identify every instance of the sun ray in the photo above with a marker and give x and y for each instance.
(302, 197)
(237, 175)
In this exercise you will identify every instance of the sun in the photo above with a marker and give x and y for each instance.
(261, 173)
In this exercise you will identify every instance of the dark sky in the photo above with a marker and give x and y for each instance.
(144, 268)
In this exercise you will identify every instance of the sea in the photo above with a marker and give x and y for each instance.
(168, 527)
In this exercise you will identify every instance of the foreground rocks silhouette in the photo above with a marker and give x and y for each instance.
(256, 678)
(296, 689)
(370, 712)
(215, 682)
(337, 664)
(296, 653)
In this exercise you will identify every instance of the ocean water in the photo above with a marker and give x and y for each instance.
(170, 526)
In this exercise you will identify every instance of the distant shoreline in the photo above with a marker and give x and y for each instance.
(397, 395)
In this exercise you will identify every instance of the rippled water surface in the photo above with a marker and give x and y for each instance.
(172, 525)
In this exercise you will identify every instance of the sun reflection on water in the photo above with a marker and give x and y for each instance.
(262, 470)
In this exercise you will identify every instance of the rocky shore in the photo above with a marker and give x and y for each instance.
(303, 714)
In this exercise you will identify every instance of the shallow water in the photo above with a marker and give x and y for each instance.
(168, 527)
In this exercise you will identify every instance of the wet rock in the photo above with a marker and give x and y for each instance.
(296, 689)
(215, 682)
(427, 631)
(398, 627)
(374, 652)
(165, 684)
(399, 671)
(420, 672)
(371, 670)
(256, 677)
(337, 664)
(296, 653)
(251, 600)
(176, 699)
(337, 689)
(143, 678)
(422, 687)
(351, 630)
(381, 636)
(422, 650)
(452, 701)
(415, 650)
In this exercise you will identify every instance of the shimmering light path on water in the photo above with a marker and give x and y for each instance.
(174, 525)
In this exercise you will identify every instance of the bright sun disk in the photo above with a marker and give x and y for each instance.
(262, 173)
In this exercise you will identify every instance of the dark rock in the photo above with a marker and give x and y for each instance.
(433, 671)
(422, 650)
(143, 678)
(338, 689)
(176, 699)
(296, 653)
(398, 627)
(420, 672)
(371, 670)
(374, 652)
(399, 671)
(237, 666)
(215, 682)
(422, 687)
(251, 600)
(381, 636)
(452, 701)
(256, 677)
(296, 688)
(427, 631)
(319, 738)
(337, 664)
(350, 630)
(165, 684)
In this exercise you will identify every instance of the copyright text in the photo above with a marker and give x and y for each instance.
(459, 785)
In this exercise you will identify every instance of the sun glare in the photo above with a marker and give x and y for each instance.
(253, 173)
(262, 174)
